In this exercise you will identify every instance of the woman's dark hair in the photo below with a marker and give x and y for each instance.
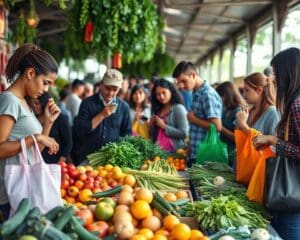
(286, 66)
(175, 95)
(29, 56)
(230, 95)
(133, 91)
(256, 80)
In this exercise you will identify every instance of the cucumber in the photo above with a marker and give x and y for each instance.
(159, 207)
(34, 212)
(52, 214)
(55, 234)
(81, 231)
(165, 203)
(109, 192)
(15, 221)
(64, 218)
(180, 202)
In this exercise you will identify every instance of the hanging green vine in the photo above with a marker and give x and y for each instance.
(23, 32)
(131, 27)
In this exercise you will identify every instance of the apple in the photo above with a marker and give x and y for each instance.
(109, 201)
(89, 173)
(82, 177)
(104, 211)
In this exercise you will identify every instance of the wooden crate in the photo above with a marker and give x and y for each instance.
(190, 221)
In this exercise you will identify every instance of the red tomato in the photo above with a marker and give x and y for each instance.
(99, 226)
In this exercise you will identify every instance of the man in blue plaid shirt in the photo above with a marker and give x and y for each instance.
(206, 105)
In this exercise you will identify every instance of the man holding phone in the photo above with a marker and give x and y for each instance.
(102, 118)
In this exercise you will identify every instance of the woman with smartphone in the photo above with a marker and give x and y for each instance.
(169, 121)
(140, 111)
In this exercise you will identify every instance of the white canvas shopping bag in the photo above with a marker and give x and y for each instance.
(40, 182)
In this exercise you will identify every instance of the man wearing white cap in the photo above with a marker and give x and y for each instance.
(102, 118)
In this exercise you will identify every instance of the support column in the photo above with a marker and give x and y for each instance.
(220, 65)
(280, 10)
(250, 36)
(231, 64)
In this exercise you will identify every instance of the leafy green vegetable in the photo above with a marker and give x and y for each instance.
(122, 154)
(147, 148)
(223, 212)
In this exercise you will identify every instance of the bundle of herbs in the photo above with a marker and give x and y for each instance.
(122, 154)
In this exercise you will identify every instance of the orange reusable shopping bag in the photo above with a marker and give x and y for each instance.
(246, 155)
(255, 191)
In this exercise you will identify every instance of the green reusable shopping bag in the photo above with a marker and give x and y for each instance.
(212, 149)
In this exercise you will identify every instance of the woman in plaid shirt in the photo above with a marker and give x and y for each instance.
(286, 66)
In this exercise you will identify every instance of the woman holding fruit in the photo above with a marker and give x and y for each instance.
(169, 122)
(30, 71)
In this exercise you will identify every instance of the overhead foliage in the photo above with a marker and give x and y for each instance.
(131, 27)
(160, 65)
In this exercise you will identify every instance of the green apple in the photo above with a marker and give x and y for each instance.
(104, 211)
(109, 201)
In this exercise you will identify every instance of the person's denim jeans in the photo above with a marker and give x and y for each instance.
(287, 225)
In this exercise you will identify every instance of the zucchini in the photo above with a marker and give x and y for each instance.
(109, 192)
(15, 221)
(64, 218)
(81, 231)
(52, 214)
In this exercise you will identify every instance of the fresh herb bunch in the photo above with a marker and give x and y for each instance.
(122, 154)
(147, 148)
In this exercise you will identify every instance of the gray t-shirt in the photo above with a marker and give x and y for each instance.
(267, 123)
(25, 124)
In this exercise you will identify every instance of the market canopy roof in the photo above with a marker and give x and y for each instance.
(194, 29)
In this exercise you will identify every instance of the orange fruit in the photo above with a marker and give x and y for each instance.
(170, 221)
(137, 237)
(63, 192)
(171, 197)
(196, 235)
(129, 180)
(162, 232)
(181, 231)
(117, 173)
(85, 195)
(70, 200)
(73, 191)
(181, 194)
(144, 194)
(159, 237)
(146, 232)
(108, 167)
(140, 209)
